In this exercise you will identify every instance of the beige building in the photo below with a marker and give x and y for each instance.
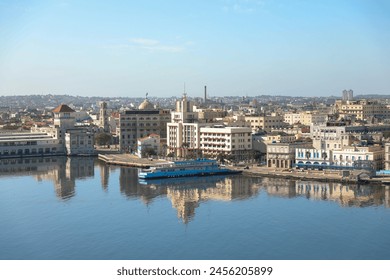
(79, 141)
(266, 123)
(63, 137)
(135, 124)
(362, 109)
(387, 156)
(282, 155)
(184, 111)
(329, 137)
(292, 118)
(309, 118)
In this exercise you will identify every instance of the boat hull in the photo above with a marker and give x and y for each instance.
(189, 173)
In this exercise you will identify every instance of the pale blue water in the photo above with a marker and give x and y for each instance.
(81, 209)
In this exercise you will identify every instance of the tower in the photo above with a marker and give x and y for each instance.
(103, 117)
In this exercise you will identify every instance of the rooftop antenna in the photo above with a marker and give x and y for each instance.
(184, 93)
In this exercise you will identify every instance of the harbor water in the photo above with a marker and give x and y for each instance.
(80, 208)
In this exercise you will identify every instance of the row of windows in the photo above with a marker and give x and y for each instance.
(28, 151)
(140, 118)
(267, 121)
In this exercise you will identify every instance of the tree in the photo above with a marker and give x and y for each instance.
(221, 158)
(102, 139)
(147, 152)
(185, 147)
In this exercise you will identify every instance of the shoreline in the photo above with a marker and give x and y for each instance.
(293, 174)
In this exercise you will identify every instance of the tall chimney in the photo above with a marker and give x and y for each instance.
(205, 94)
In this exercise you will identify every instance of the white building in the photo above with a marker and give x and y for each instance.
(345, 158)
(29, 144)
(231, 141)
(150, 143)
(184, 137)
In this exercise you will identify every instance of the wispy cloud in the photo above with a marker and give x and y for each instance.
(144, 41)
(150, 45)
(242, 6)
(155, 45)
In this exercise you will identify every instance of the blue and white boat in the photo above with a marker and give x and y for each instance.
(198, 167)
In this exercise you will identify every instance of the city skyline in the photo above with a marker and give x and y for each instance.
(235, 47)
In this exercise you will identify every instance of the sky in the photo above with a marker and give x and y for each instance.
(163, 47)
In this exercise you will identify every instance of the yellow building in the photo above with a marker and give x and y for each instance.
(266, 123)
(362, 109)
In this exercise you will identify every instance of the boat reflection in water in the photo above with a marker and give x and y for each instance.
(186, 194)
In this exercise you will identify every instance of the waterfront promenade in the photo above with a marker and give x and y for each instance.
(252, 170)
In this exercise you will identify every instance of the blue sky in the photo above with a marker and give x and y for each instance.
(235, 47)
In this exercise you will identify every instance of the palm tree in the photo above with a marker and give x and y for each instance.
(185, 146)
(308, 154)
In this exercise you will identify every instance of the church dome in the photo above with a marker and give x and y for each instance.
(146, 104)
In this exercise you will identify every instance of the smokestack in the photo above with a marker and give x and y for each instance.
(205, 94)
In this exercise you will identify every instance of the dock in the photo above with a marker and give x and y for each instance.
(129, 160)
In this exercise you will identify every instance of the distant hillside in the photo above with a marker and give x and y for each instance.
(372, 96)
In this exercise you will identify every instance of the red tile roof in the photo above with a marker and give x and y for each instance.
(63, 109)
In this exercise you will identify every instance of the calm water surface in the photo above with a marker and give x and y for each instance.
(80, 208)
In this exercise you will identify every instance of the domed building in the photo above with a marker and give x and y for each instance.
(146, 105)
(139, 123)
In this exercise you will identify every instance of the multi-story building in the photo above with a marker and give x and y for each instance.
(329, 137)
(79, 141)
(292, 118)
(184, 129)
(347, 157)
(306, 118)
(309, 157)
(347, 95)
(148, 145)
(183, 138)
(309, 118)
(139, 123)
(266, 123)
(282, 155)
(360, 157)
(60, 139)
(29, 144)
(184, 112)
(362, 109)
(235, 142)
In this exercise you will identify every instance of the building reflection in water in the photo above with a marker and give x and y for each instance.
(187, 194)
(62, 171)
(104, 174)
(345, 195)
